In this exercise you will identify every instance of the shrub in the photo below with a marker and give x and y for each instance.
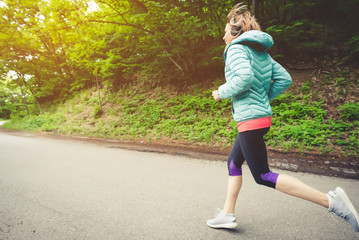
(349, 111)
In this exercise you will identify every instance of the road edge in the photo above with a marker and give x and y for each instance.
(294, 162)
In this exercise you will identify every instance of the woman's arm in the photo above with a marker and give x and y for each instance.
(281, 80)
(241, 76)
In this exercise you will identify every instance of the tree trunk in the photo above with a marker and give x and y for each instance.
(20, 82)
(37, 101)
(23, 96)
(98, 92)
(254, 8)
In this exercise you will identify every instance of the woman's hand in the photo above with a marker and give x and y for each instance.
(216, 95)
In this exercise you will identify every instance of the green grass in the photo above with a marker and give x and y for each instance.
(300, 124)
(161, 114)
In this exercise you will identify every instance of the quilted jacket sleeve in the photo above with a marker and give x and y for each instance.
(281, 80)
(240, 77)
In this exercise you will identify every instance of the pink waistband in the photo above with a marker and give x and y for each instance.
(254, 124)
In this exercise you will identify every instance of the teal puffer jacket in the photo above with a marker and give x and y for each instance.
(253, 78)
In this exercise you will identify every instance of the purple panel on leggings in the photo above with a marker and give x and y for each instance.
(233, 170)
(270, 177)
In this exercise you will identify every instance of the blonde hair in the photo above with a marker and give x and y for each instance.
(240, 20)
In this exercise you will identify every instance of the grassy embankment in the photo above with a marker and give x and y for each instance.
(302, 121)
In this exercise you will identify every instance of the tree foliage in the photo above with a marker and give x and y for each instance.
(58, 47)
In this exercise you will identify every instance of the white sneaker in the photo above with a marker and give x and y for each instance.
(223, 220)
(340, 205)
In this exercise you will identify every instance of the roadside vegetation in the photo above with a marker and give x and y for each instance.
(164, 115)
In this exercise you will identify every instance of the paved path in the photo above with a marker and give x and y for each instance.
(60, 189)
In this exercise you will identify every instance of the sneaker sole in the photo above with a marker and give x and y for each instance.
(347, 202)
(225, 225)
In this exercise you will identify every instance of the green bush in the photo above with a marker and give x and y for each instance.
(349, 111)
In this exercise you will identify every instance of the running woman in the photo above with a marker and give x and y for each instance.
(253, 79)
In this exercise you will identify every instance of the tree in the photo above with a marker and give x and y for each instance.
(40, 33)
(64, 48)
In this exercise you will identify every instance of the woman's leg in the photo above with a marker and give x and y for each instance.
(226, 218)
(250, 145)
(336, 201)
(295, 187)
(233, 188)
(255, 152)
(235, 161)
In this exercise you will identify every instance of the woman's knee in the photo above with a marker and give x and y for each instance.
(268, 179)
(233, 170)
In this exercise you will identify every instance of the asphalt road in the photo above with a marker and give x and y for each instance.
(61, 189)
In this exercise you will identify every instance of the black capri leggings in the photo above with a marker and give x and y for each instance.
(250, 146)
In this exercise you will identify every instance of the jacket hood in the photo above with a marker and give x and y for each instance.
(258, 40)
